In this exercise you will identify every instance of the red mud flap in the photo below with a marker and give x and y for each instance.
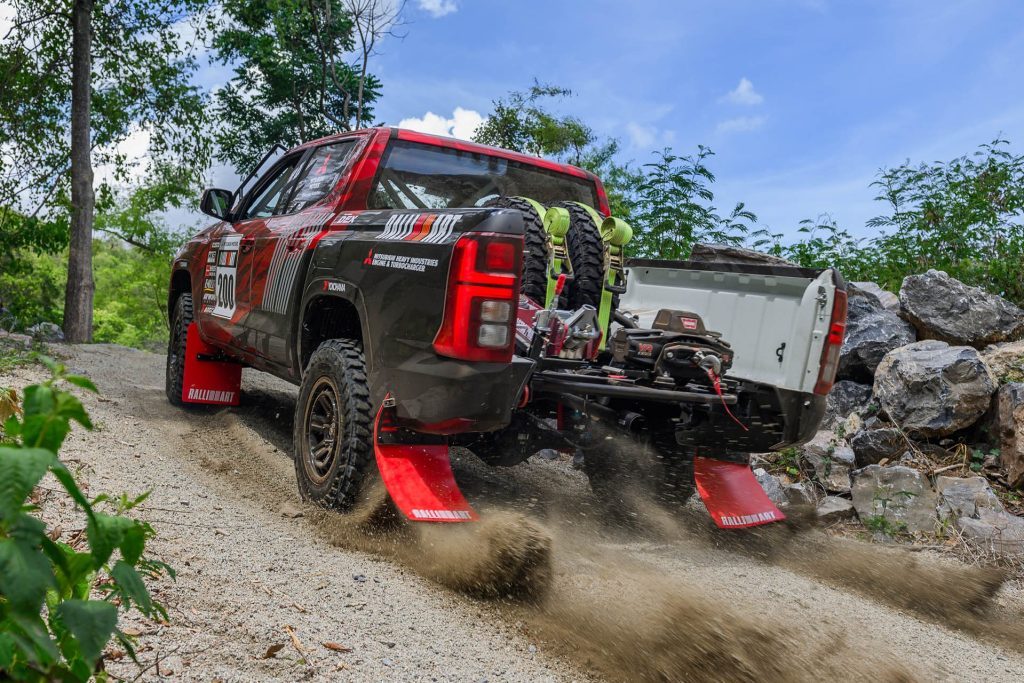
(732, 495)
(208, 380)
(418, 476)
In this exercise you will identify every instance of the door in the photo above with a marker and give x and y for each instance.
(227, 317)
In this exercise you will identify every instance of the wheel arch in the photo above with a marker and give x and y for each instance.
(327, 316)
(181, 283)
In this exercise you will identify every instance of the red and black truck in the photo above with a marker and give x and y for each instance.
(425, 292)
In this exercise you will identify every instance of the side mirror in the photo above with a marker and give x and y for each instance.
(216, 203)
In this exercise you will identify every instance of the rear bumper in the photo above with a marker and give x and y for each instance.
(445, 396)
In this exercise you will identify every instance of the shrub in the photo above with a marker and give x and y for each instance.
(59, 606)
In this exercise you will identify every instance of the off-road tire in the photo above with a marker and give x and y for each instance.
(334, 384)
(586, 251)
(174, 378)
(535, 253)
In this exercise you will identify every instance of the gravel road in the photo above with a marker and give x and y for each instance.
(659, 599)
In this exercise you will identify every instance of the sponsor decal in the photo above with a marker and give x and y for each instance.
(420, 227)
(644, 349)
(441, 514)
(398, 262)
(285, 261)
(226, 277)
(211, 395)
(345, 219)
(334, 286)
(524, 331)
(742, 520)
(689, 323)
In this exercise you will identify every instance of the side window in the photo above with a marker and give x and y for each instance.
(320, 174)
(274, 193)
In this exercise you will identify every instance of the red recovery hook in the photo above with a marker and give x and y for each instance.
(417, 472)
(732, 494)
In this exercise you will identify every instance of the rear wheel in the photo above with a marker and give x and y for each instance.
(174, 378)
(535, 254)
(333, 426)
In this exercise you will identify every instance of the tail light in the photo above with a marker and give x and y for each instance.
(833, 345)
(483, 292)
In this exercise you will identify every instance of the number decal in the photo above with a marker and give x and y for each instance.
(227, 272)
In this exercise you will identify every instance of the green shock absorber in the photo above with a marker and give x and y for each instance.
(556, 224)
(615, 234)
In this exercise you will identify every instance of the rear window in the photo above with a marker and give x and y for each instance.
(417, 176)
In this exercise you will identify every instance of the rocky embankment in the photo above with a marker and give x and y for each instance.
(924, 431)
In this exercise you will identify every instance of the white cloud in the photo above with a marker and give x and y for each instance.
(135, 151)
(462, 124)
(641, 136)
(7, 16)
(438, 8)
(740, 124)
(744, 94)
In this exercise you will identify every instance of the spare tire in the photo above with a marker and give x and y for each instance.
(586, 252)
(535, 252)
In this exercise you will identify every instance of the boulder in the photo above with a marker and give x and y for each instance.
(994, 530)
(772, 486)
(899, 495)
(964, 497)
(834, 509)
(871, 446)
(932, 389)
(799, 494)
(724, 253)
(46, 332)
(1010, 421)
(887, 299)
(846, 398)
(1006, 361)
(831, 459)
(942, 307)
(871, 332)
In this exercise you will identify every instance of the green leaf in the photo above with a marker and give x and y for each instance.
(91, 622)
(70, 408)
(131, 586)
(33, 637)
(25, 575)
(20, 471)
(67, 480)
(133, 544)
(83, 382)
(8, 647)
(105, 533)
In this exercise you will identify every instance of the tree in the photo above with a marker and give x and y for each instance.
(291, 82)
(519, 122)
(125, 71)
(373, 21)
(673, 208)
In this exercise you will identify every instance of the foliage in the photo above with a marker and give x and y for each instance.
(140, 83)
(520, 122)
(51, 626)
(674, 209)
(881, 524)
(291, 82)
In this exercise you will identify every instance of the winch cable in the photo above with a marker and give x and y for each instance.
(716, 382)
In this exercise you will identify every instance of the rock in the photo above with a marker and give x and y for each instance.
(994, 530)
(799, 494)
(871, 332)
(834, 509)
(291, 510)
(942, 307)
(46, 332)
(932, 389)
(724, 253)
(1006, 361)
(1010, 421)
(831, 459)
(772, 486)
(547, 454)
(873, 445)
(887, 299)
(845, 399)
(899, 495)
(964, 497)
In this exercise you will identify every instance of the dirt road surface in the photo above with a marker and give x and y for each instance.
(660, 598)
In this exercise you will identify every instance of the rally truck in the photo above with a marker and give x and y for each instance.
(424, 292)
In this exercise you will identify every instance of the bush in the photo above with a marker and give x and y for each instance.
(51, 625)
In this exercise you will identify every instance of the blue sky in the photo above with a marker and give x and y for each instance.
(801, 100)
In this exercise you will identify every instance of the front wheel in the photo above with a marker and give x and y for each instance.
(333, 426)
(175, 374)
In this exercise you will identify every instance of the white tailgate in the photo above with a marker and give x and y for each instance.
(756, 314)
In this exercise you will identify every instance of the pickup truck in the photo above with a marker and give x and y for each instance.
(425, 292)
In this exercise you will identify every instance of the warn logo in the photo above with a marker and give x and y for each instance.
(210, 395)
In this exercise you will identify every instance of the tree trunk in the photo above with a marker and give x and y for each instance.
(79, 293)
